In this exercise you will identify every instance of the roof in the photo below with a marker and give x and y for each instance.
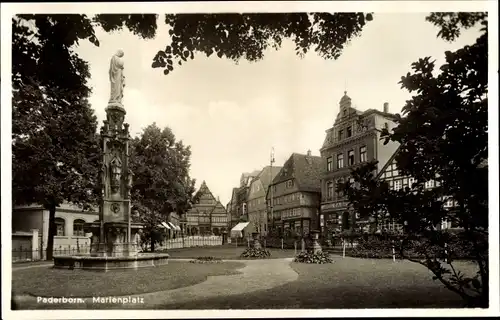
(265, 175)
(388, 163)
(305, 169)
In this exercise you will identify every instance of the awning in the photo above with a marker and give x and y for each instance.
(164, 225)
(178, 228)
(237, 230)
(172, 226)
(240, 226)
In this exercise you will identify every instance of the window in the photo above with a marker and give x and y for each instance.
(60, 223)
(340, 134)
(350, 157)
(429, 184)
(274, 188)
(340, 161)
(362, 154)
(330, 190)
(349, 132)
(340, 192)
(329, 164)
(395, 172)
(78, 227)
(397, 184)
(289, 183)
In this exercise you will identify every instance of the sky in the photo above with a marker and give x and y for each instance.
(232, 115)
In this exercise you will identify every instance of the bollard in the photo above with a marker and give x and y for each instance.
(295, 247)
(343, 248)
(445, 252)
(393, 253)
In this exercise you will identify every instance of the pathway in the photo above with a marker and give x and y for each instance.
(256, 275)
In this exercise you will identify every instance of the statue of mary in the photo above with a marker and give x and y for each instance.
(116, 78)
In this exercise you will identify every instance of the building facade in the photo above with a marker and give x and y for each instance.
(69, 219)
(353, 140)
(232, 209)
(207, 216)
(242, 194)
(397, 181)
(257, 209)
(296, 194)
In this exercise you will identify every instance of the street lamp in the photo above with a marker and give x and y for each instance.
(271, 186)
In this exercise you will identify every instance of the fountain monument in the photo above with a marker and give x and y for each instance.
(114, 242)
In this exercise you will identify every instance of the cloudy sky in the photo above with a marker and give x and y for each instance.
(232, 115)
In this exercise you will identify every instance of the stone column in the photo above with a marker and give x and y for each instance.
(35, 246)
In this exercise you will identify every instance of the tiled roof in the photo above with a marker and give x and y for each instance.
(305, 169)
(265, 175)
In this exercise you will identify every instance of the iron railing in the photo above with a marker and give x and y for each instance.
(24, 254)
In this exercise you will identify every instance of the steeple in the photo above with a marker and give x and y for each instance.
(345, 101)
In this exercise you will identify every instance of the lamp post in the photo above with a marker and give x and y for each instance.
(271, 186)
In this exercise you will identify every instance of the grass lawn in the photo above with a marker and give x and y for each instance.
(47, 282)
(347, 283)
(227, 252)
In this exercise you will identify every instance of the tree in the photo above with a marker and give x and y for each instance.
(55, 150)
(162, 183)
(447, 112)
(247, 36)
(55, 153)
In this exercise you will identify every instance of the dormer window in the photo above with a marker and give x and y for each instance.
(345, 112)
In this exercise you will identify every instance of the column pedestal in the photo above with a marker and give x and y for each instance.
(316, 246)
(256, 242)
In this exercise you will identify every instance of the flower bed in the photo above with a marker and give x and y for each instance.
(254, 253)
(206, 260)
(311, 257)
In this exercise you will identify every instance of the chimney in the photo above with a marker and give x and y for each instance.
(386, 107)
(309, 152)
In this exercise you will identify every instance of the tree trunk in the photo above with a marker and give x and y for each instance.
(152, 244)
(52, 232)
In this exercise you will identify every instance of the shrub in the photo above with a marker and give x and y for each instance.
(311, 257)
(254, 253)
(208, 259)
(377, 248)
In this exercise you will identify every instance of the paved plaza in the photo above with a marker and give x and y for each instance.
(267, 283)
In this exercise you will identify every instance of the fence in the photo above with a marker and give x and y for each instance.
(24, 254)
(29, 254)
(187, 242)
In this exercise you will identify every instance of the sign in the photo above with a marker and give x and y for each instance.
(335, 205)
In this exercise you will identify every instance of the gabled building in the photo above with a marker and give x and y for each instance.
(257, 209)
(296, 195)
(396, 180)
(242, 194)
(207, 216)
(353, 140)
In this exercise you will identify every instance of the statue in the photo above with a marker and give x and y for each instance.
(116, 78)
(116, 170)
(130, 180)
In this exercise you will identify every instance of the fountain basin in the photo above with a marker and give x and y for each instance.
(87, 262)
